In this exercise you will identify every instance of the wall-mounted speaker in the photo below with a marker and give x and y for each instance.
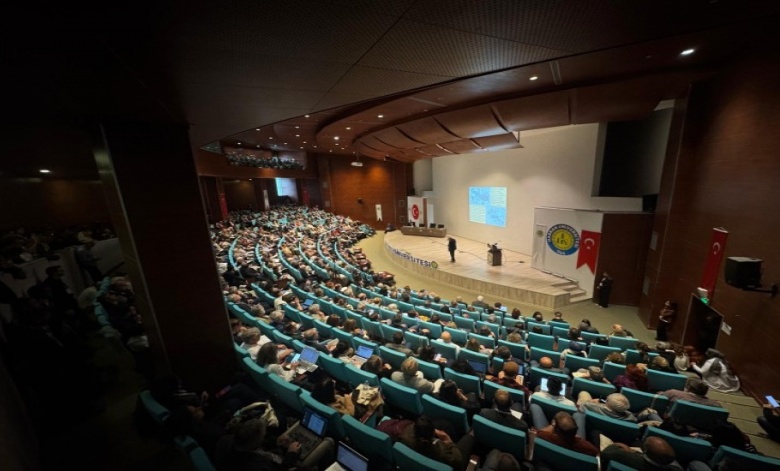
(743, 272)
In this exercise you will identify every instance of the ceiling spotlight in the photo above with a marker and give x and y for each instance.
(296, 127)
(297, 135)
(687, 52)
(380, 116)
(257, 129)
(44, 170)
(305, 116)
(269, 137)
(301, 147)
(285, 143)
(348, 128)
(304, 142)
(238, 143)
(533, 77)
(335, 138)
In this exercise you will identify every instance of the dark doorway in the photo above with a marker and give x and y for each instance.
(702, 325)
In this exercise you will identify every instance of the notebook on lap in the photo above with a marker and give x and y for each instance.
(348, 459)
(309, 431)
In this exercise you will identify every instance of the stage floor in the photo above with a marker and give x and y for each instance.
(514, 279)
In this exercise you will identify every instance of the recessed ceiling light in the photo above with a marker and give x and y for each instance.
(270, 137)
(301, 147)
(285, 143)
(348, 128)
(380, 116)
(44, 170)
(296, 127)
(297, 135)
(304, 142)
(315, 147)
(533, 77)
(687, 52)
(335, 138)
(258, 146)
(305, 116)
(330, 151)
(238, 143)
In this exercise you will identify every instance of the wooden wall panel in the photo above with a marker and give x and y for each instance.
(623, 251)
(241, 194)
(728, 175)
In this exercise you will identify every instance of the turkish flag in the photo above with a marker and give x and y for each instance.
(715, 255)
(589, 249)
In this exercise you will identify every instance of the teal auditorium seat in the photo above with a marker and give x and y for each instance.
(356, 376)
(458, 336)
(641, 400)
(392, 357)
(686, 449)
(484, 340)
(335, 427)
(336, 368)
(240, 353)
(550, 407)
(591, 337)
(286, 393)
(595, 388)
(200, 460)
(623, 343)
(537, 354)
(698, 416)
(518, 349)
(562, 459)
(615, 466)
(360, 341)
(157, 411)
(415, 341)
(367, 440)
(490, 388)
(258, 374)
(662, 381)
(450, 352)
(621, 431)
(409, 460)
(600, 352)
(747, 460)
(466, 354)
(441, 410)
(467, 383)
(613, 370)
(574, 363)
(504, 438)
(401, 397)
(537, 373)
(546, 342)
(431, 371)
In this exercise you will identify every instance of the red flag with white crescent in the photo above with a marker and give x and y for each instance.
(589, 249)
(714, 257)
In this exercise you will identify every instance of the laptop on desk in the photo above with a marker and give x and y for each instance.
(479, 367)
(309, 431)
(543, 386)
(362, 354)
(307, 362)
(348, 459)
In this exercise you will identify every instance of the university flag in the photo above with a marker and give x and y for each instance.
(589, 249)
(715, 255)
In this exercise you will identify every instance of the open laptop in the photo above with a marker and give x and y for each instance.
(307, 303)
(307, 362)
(309, 431)
(479, 367)
(348, 459)
(362, 354)
(543, 386)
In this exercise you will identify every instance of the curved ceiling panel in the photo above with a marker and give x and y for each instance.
(617, 101)
(394, 137)
(534, 112)
(499, 141)
(426, 130)
(375, 143)
(463, 146)
(434, 150)
(476, 121)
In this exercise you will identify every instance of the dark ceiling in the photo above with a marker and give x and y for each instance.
(250, 71)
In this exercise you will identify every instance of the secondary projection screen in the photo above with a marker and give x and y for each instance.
(487, 205)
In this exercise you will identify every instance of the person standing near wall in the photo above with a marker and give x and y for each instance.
(452, 246)
(605, 288)
(668, 313)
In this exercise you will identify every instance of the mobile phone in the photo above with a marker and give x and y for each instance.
(224, 391)
(437, 357)
(772, 401)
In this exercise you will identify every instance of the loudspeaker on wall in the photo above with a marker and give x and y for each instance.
(743, 272)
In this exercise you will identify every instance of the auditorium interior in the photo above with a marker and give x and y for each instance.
(139, 112)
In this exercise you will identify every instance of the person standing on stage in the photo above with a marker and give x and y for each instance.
(452, 246)
(605, 288)
(668, 313)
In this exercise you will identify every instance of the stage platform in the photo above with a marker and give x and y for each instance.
(514, 279)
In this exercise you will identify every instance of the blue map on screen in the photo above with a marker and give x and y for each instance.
(487, 205)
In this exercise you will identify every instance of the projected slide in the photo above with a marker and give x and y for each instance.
(487, 205)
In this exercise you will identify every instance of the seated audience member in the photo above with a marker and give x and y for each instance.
(656, 454)
(717, 373)
(480, 302)
(501, 413)
(695, 391)
(426, 353)
(634, 378)
(585, 326)
(243, 450)
(375, 365)
(312, 339)
(575, 349)
(558, 317)
(538, 317)
(563, 431)
(237, 329)
(770, 422)
(342, 351)
(253, 340)
(616, 406)
(324, 391)
(509, 378)
(269, 356)
(615, 357)
(398, 344)
(474, 345)
(498, 460)
(553, 393)
(411, 377)
(660, 363)
(446, 339)
(423, 437)
(450, 393)
(546, 363)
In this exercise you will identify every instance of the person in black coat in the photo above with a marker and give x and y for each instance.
(605, 288)
(452, 246)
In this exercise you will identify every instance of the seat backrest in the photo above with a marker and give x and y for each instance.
(367, 440)
(258, 374)
(698, 416)
(407, 459)
(537, 353)
(200, 460)
(450, 352)
(441, 410)
(388, 331)
(335, 426)
(431, 371)
(546, 329)
(415, 341)
(621, 431)
(750, 461)
(288, 393)
(613, 370)
(574, 362)
(518, 349)
(360, 341)
(641, 400)
(484, 340)
(333, 366)
(241, 353)
(157, 411)
(343, 335)
(434, 328)
(551, 407)
(373, 328)
(458, 336)
(663, 381)
(393, 357)
(600, 352)
(490, 389)
(499, 436)
(356, 376)
(595, 388)
(623, 343)
(560, 458)
(463, 323)
(475, 356)
(465, 382)
(325, 331)
(591, 337)
(537, 373)
(560, 332)
(495, 328)
(401, 397)
(544, 341)
(686, 449)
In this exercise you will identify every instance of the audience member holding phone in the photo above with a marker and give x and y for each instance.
(770, 421)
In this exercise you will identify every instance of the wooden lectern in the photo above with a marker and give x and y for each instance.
(494, 256)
